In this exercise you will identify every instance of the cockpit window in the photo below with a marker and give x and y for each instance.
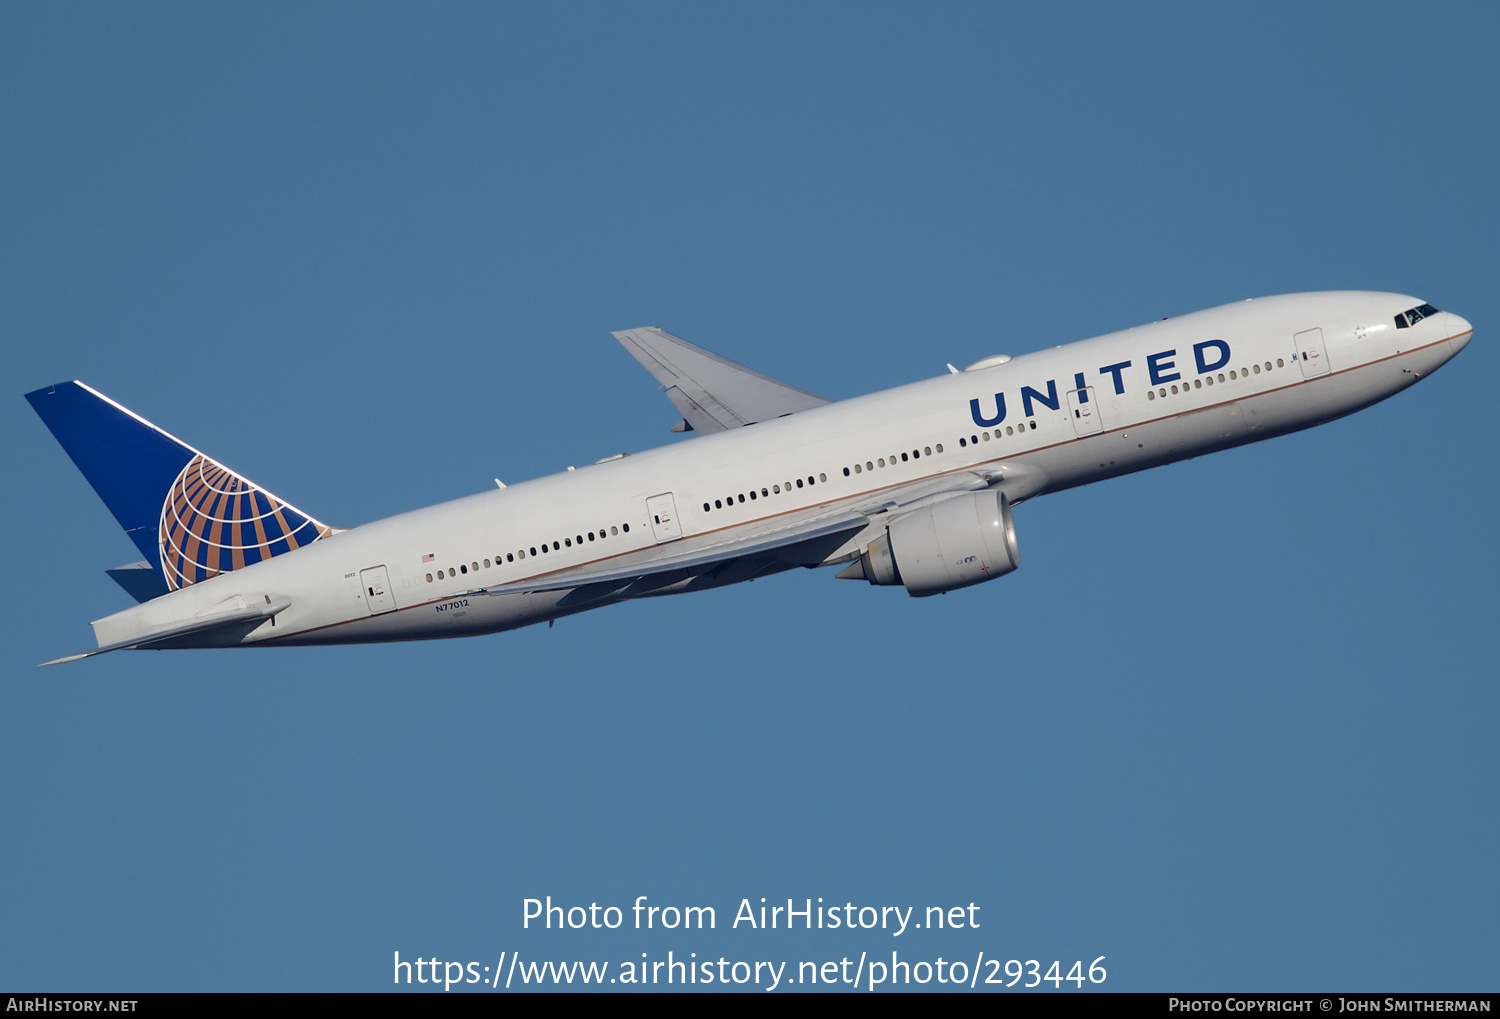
(1415, 315)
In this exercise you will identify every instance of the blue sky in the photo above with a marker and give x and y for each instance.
(1231, 725)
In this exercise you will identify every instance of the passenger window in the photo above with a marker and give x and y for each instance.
(752, 491)
(1008, 430)
(568, 542)
(1174, 390)
(486, 564)
(940, 447)
(846, 472)
(1150, 394)
(1197, 384)
(764, 493)
(776, 489)
(429, 578)
(903, 458)
(821, 477)
(857, 469)
(869, 466)
(1033, 425)
(882, 461)
(799, 482)
(556, 547)
(591, 536)
(510, 557)
(1268, 366)
(1280, 363)
(962, 443)
(1162, 392)
(451, 573)
(626, 527)
(985, 436)
(1257, 369)
(1233, 375)
(1221, 376)
(613, 531)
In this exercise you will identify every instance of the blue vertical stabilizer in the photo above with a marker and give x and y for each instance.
(191, 517)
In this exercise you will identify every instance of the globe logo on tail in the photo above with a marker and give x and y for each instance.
(214, 521)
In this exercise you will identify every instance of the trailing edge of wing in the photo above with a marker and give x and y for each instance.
(711, 392)
(844, 523)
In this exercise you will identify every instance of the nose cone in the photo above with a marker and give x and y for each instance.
(1459, 332)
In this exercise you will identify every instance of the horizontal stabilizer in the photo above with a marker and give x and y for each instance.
(139, 580)
(248, 617)
(712, 393)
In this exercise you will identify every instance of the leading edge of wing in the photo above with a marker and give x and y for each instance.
(712, 393)
(704, 556)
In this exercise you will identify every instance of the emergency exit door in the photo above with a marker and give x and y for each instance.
(664, 523)
(377, 588)
(1312, 353)
(1083, 408)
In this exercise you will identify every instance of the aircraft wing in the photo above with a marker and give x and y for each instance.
(804, 543)
(712, 393)
(806, 540)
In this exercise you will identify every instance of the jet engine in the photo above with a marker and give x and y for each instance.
(955, 543)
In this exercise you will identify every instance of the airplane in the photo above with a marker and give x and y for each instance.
(911, 487)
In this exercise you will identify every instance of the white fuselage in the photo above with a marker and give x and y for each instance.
(1150, 395)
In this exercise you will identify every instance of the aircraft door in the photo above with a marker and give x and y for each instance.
(1312, 353)
(663, 513)
(377, 587)
(1085, 411)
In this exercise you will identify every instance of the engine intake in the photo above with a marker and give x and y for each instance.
(956, 543)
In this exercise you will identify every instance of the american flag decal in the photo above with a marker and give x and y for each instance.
(427, 558)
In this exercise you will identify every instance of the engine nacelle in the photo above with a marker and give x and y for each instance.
(956, 543)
